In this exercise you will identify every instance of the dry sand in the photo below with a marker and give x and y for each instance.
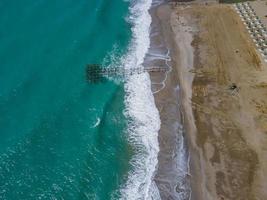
(260, 6)
(226, 129)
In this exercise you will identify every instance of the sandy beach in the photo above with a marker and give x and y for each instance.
(216, 92)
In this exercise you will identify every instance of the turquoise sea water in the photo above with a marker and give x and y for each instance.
(61, 137)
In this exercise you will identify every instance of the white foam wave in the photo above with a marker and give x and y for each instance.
(96, 123)
(144, 120)
(143, 131)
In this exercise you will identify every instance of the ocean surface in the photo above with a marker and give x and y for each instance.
(62, 137)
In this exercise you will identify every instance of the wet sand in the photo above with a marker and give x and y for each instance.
(217, 90)
(172, 177)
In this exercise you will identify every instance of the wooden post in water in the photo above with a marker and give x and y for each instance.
(95, 73)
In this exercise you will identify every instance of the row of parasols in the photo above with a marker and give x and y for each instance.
(254, 25)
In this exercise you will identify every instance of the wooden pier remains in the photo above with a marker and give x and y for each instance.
(96, 73)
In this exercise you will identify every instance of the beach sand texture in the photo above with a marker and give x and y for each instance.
(172, 172)
(223, 93)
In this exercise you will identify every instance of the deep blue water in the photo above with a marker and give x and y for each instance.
(51, 146)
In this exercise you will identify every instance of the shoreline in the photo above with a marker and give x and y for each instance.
(144, 122)
(224, 131)
(172, 176)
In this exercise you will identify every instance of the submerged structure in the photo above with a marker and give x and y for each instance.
(95, 73)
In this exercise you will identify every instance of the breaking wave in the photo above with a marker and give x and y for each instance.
(141, 112)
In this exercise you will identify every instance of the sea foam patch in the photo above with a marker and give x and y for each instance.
(142, 114)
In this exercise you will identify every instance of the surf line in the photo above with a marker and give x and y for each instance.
(144, 120)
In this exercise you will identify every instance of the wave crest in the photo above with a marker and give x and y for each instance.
(141, 112)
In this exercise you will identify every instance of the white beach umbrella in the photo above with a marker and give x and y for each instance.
(261, 50)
